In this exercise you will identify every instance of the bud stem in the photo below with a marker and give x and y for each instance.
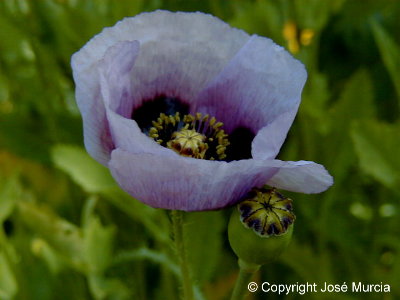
(246, 271)
(177, 226)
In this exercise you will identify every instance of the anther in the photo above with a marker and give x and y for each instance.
(195, 136)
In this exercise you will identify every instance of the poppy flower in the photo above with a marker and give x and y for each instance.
(189, 113)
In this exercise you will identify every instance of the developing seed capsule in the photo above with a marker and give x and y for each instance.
(261, 227)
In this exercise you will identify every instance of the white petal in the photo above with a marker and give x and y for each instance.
(116, 93)
(302, 177)
(186, 183)
(90, 99)
(175, 182)
(269, 139)
(262, 82)
(179, 54)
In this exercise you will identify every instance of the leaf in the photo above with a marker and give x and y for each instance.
(86, 172)
(203, 239)
(354, 103)
(260, 17)
(312, 14)
(155, 220)
(376, 144)
(95, 178)
(8, 284)
(10, 191)
(62, 235)
(108, 288)
(42, 249)
(148, 254)
(390, 53)
(304, 261)
(97, 245)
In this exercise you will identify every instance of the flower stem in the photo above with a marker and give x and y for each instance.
(241, 288)
(177, 223)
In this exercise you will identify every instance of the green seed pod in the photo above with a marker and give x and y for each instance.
(261, 227)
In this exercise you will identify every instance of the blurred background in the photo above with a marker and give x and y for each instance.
(68, 232)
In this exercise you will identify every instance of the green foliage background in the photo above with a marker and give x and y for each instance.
(68, 231)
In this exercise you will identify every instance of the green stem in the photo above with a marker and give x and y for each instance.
(177, 223)
(246, 271)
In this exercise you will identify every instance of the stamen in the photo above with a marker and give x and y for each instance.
(189, 143)
(195, 136)
(267, 212)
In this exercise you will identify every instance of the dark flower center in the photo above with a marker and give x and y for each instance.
(150, 110)
(192, 136)
(266, 211)
(162, 106)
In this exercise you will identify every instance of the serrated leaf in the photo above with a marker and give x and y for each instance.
(85, 171)
(51, 257)
(97, 245)
(203, 240)
(376, 145)
(62, 235)
(390, 53)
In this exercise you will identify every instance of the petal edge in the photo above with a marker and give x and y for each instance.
(303, 177)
